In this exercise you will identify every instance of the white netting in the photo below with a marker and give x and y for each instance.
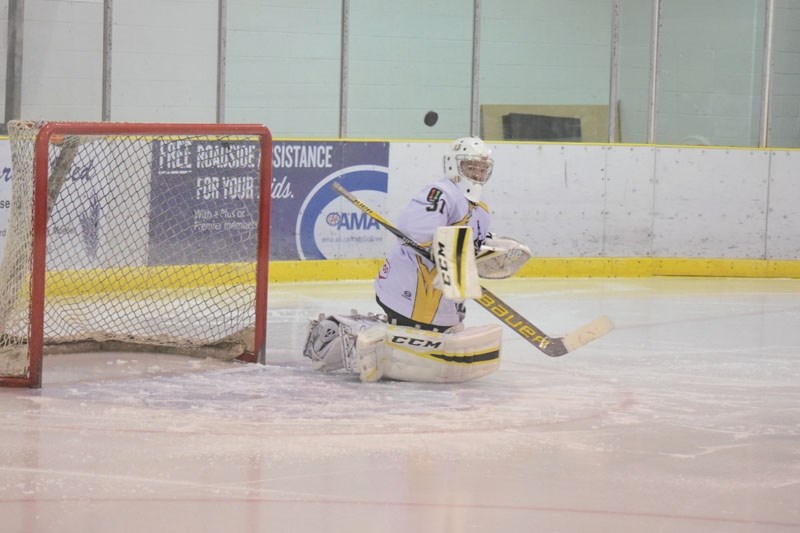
(150, 240)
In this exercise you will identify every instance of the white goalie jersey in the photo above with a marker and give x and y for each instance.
(405, 283)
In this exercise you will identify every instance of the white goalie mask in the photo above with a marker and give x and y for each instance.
(469, 165)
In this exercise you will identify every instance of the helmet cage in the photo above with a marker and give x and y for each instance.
(475, 168)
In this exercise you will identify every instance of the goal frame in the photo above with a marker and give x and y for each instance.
(40, 222)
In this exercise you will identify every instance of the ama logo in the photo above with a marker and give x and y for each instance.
(351, 221)
(330, 227)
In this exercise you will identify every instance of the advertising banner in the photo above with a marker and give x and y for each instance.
(203, 202)
(309, 219)
(5, 192)
(205, 195)
(76, 229)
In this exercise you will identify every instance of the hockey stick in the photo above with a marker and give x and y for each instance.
(551, 346)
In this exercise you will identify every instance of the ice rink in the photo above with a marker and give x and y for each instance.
(686, 417)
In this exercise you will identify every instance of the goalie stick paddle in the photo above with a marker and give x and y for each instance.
(551, 346)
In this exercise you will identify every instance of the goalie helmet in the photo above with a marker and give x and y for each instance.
(469, 165)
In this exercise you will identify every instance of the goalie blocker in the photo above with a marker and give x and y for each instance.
(459, 270)
(454, 255)
(372, 349)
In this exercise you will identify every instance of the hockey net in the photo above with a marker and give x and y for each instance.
(125, 237)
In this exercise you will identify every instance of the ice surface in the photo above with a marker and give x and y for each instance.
(684, 418)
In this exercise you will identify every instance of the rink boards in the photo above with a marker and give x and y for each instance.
(584, 210)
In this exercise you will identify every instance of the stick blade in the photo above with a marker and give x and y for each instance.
(587, 333)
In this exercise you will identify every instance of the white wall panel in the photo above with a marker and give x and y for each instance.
(629, 201)
(783, 219)
(710, 203)
(550, 196)
(412, 165)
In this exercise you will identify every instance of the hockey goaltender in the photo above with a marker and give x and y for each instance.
(420, 335)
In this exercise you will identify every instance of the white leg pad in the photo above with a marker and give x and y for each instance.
(370, 353)
(410, 354)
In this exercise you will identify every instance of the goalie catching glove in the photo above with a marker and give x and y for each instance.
(501, 257)
(458, 268)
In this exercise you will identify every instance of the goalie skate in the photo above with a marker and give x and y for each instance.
(331, 341)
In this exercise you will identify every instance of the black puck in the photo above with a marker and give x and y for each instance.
(431, 117)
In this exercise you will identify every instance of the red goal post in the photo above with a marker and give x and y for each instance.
(125, 236)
